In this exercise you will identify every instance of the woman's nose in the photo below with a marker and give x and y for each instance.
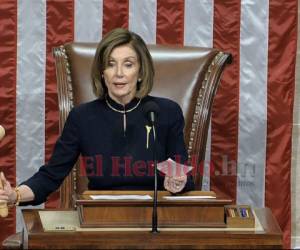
(119, 71)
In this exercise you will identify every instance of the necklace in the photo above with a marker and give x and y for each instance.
(123, 112)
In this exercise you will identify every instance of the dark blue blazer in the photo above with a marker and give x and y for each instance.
(115, 149)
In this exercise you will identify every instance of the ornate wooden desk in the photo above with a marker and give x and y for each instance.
(35, 237)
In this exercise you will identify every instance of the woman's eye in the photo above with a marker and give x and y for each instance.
(110, 63)
(128, 65)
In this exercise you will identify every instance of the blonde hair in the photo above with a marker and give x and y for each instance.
(111, 40)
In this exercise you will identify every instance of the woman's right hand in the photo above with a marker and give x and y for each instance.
(7, 194)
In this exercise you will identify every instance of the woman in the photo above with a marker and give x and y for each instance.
(113, 132)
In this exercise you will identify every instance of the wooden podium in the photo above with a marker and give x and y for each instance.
(194, 212)
(174, 233)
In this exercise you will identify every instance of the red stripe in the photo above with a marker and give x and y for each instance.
(8, 48)
(281, 84)
(170, 22)
(115, 15)
(60, 30)
(224, 125)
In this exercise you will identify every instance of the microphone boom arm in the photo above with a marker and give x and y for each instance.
(154, 211)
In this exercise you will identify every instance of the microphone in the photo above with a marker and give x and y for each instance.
(151, 110)
(3, 204)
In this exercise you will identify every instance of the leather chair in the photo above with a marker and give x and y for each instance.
(187, 75)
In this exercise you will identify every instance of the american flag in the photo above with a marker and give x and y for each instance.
(250, 136)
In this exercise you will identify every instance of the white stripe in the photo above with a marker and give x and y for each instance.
(198, 31)
(253, 102)
(88, 20)
(142, 19)
(30, 99)
(198, 23)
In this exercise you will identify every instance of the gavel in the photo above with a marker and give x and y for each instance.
(3, 204)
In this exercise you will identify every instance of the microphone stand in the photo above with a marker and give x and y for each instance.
(154, 211)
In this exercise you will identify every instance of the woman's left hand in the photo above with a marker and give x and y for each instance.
(175, 184)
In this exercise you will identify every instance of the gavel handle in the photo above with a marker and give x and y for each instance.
(3, 204)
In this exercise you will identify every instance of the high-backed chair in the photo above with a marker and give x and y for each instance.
(187, 75)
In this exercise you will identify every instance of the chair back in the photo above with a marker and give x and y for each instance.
(187, 75)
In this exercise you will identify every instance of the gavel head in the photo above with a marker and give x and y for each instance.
(2, 132)
(3, 209)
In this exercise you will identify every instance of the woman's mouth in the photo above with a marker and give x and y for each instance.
(119, 84)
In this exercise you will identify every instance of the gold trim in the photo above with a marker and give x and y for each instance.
(202, 96)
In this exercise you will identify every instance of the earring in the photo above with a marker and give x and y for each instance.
(139, 80)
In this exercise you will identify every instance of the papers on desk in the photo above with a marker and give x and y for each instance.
(188, 198)
(121, 197)
(172, 168)
(59, 221)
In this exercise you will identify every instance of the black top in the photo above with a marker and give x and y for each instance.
(115, 148)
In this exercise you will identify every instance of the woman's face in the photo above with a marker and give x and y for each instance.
(121, 74)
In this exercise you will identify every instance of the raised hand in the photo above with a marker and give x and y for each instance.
(175, 184)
